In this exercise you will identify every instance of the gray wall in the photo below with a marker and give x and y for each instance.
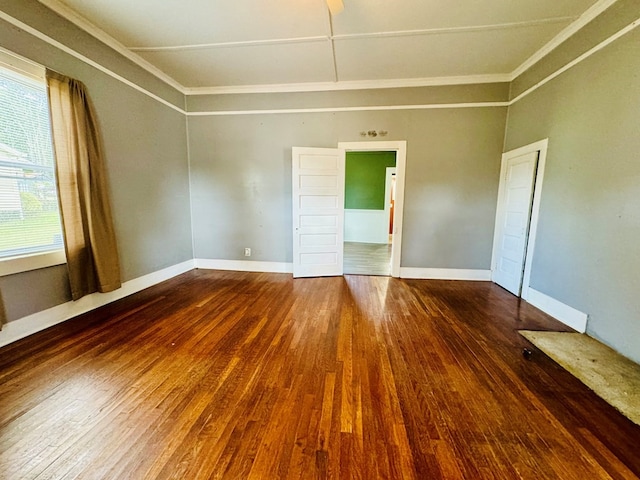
(36, 15)
(241, 178)
(241, 165)
(612, 20)
(146, 159)
(587, 250)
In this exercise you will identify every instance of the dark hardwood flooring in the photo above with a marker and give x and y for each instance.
(242, 375)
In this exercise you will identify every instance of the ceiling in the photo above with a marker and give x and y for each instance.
(219, 45)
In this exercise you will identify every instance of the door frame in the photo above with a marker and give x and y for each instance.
(400, 147)
(388, 180)
(540, 147)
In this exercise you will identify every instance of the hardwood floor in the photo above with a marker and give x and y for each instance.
(242, 375)
(367, 258)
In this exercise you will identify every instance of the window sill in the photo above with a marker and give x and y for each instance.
(13, 265)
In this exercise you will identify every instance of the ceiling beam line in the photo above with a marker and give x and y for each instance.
(334, 60)
(244, 43)
(332, 36)
(449, 30)
(72, 16)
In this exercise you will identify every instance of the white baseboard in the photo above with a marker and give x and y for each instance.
(36, 322)
(444, 274)
(558, 310)
(244, 265)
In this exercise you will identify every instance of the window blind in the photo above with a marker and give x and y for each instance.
(29, 214)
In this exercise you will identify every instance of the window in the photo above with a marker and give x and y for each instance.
(29, 214)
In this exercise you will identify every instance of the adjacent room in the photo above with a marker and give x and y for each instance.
(319, 239)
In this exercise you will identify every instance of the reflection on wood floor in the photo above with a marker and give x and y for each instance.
(367, 258)
(245, 376)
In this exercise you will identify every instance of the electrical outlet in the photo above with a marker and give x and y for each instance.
(247, 252)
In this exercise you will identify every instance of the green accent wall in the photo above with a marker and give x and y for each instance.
(365, 178)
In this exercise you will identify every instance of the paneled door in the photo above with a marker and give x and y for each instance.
(318, 211)
(513, 219)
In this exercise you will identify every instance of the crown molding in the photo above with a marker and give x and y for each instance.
(66, 12)
(374, 108)
(84, 24)
(351, 85)
(336, 85)
(64, 48)
(606, 42)
(595, 10)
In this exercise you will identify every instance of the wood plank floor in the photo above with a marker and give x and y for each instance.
(259, 376)
(367, 258)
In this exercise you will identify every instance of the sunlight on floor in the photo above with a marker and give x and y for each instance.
(367, 258)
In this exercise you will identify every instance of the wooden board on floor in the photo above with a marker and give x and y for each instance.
(613, 377)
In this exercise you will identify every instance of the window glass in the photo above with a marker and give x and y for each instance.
(29, 213)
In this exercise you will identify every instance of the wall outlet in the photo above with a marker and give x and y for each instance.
(247, 252)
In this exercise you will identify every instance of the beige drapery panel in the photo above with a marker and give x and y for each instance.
(3, 314)
(89, 237)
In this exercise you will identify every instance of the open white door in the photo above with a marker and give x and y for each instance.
(318, 211)
(513, 218)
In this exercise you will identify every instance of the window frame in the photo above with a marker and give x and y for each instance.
(37, 260)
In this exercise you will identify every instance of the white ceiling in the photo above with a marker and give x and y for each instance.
(202, 44)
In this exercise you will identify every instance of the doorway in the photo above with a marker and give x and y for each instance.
(519, 192)
(318, 206)
(369, 189)
(373, 217)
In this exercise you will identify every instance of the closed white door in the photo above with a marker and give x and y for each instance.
(318, 211)
(512, 221)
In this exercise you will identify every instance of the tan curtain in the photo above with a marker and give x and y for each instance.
(89, 238)
(3, 314)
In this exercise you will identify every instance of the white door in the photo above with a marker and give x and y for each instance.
(513, 219)
(318, 211)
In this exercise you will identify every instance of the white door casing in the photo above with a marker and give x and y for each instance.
(519, 194)
(388, 182)
(318, 211)
(400, 147)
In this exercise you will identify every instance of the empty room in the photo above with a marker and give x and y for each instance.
(319, 239)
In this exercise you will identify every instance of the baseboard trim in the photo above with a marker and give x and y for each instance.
(244, 265)
(39, 321)
(444, 274)
(558, 310)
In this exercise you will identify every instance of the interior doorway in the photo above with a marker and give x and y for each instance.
(373, 207)
(318, 182)
(368, 239)
(519, 194)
